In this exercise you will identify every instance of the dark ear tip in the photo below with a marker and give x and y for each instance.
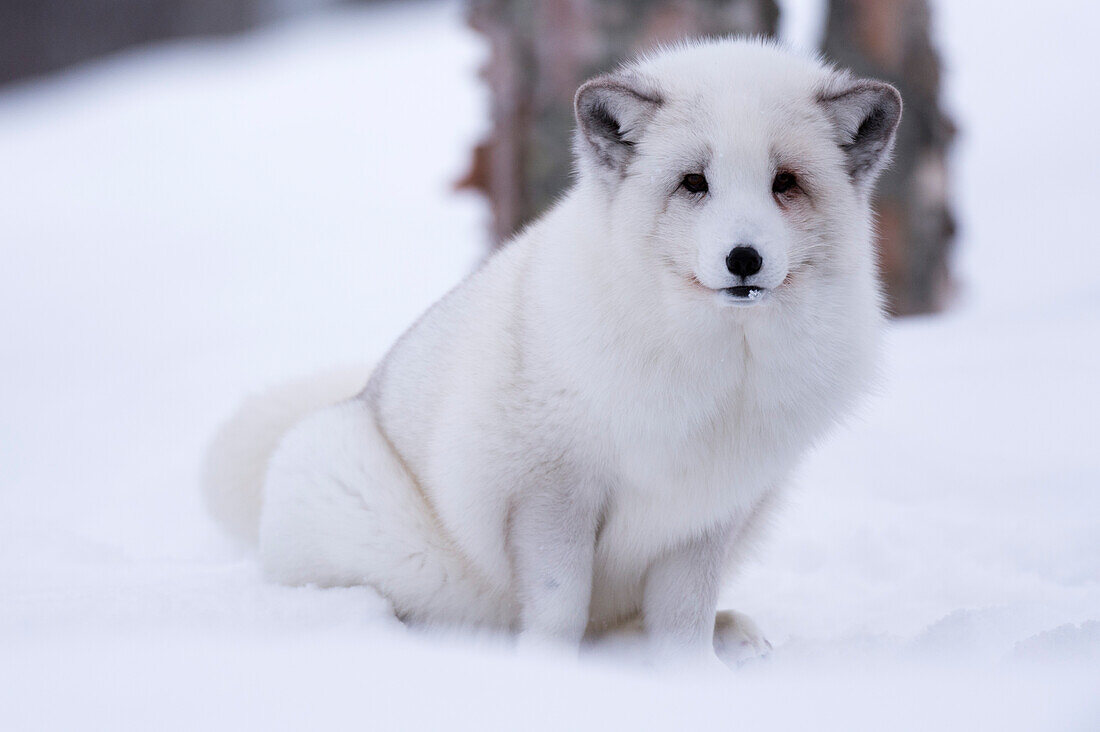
(583, 99)
(892, 99)
(588, 93)
(889, 99)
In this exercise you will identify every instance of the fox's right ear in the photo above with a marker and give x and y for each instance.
(611, 112)
(866, 114)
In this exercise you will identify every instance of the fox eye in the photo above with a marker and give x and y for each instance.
(695, 183)
(784, 182)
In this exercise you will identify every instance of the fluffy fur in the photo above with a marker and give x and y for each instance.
(589, 430)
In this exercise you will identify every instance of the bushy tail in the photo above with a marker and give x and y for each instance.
(236, 461)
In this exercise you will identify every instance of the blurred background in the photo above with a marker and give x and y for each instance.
(540, 52)
(203, 198)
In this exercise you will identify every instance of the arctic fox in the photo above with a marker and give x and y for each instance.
(589, 430)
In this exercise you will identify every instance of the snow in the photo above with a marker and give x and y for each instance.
(186, 223)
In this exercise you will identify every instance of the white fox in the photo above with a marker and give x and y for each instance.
(589, 430)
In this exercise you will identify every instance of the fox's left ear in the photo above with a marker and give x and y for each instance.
(866, 114)
(611, 111)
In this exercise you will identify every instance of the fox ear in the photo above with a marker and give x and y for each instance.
(611, 112)
(866, 114)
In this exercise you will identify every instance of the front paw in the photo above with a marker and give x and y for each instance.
(737, 639)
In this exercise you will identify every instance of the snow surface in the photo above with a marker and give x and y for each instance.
(184, 224)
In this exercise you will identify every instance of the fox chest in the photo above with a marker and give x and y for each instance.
(678, 473)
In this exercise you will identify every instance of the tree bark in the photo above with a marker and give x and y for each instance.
(890, 40)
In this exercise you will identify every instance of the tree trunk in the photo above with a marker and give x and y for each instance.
(889, 39)
(540, 53)
(40, 36)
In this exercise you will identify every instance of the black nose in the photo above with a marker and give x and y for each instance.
(744, 261)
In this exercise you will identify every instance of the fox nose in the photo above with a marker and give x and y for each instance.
(744, 261)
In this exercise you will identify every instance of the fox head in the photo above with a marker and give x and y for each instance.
(739, 172)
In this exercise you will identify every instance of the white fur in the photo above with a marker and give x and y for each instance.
(236, 463)
(582, 433)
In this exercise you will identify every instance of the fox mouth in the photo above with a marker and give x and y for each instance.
(745, 292)
(739, 296)
(744, 296)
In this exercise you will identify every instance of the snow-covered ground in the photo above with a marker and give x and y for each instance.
(182, 225)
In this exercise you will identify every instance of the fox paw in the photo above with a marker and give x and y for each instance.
(737, 639)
